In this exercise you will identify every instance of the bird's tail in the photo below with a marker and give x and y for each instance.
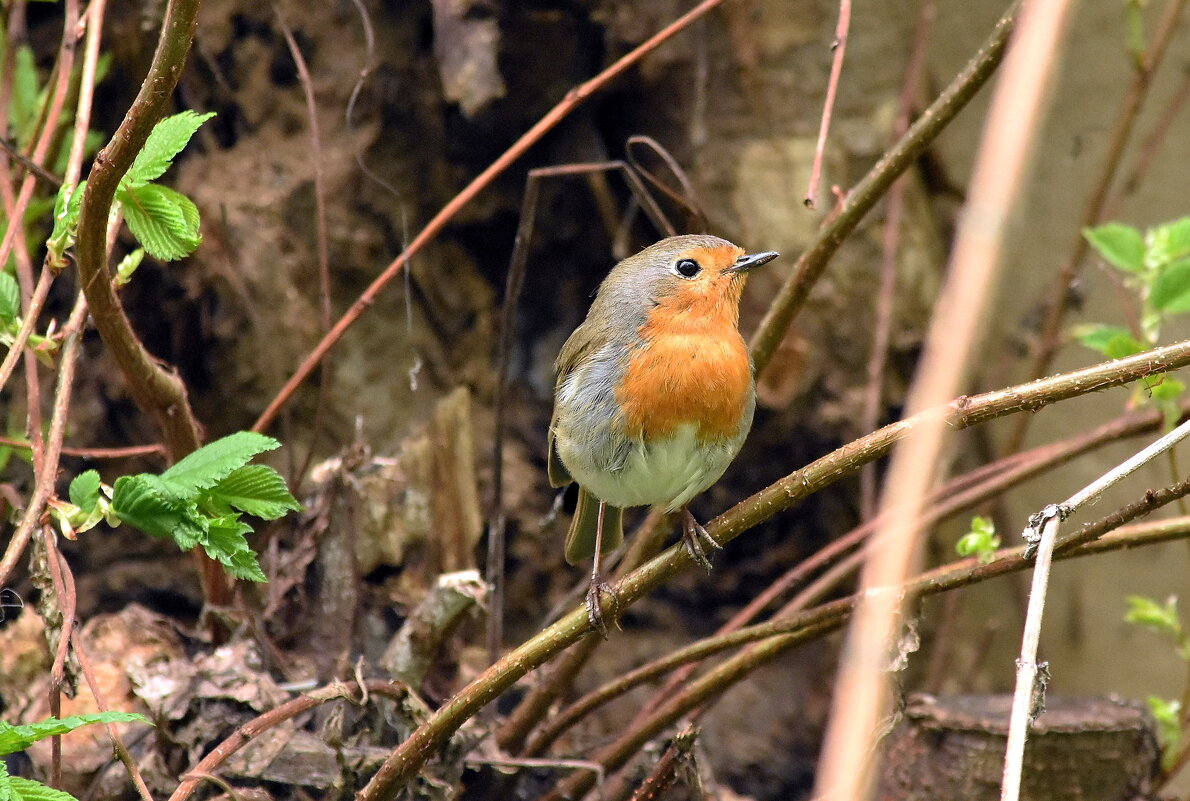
(580, 540)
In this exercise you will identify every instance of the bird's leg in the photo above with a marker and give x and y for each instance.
(694, 536)
(594, 607)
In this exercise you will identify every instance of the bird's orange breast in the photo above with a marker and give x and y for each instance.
(691, 367)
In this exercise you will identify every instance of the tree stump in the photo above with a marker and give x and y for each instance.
(1090, 749)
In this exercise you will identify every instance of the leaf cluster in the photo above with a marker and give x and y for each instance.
(197, 502)
(980, 541)
(44, 347)
(1155, 265)
(164, 221)
(18, 738)
(1163, 618)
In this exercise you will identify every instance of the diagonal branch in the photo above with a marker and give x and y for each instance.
(407, 759)
(812, 263)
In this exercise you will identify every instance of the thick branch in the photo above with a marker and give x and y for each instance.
(155, 389)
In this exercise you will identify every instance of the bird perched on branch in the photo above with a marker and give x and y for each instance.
(654, 394)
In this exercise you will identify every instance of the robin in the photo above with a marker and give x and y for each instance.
(654, 394)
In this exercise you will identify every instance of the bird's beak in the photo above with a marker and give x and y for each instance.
(751, 262)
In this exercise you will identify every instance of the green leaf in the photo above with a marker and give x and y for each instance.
(128, 265)
(32, 790)
(1121, 245)
(214, 462)
(228, 546)
(1166, 390)
(1171, 289)
(166, 141)
(68, 205)
(165, 222)
(84, 490)
(1112, 341)
(1168, 715)
(157, 508)
(18, 738)
(980, 541)
(1146, 612)
(256, 489)
(1168, 243)
(10, 298)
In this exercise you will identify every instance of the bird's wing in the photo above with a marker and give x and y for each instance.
(578, 345)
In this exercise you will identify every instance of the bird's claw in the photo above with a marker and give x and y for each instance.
(595, 606)
(693, 537)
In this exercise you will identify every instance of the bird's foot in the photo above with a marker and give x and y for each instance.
(694, 537)
(595, 606)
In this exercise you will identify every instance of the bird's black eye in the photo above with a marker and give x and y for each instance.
(688, 268)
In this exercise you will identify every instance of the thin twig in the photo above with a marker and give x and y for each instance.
(155, 389)
(28, 322)
(644, 544)
(573, 99)
(890, 247)
(1024, 703)
(1152, 143)
(118, 746)
(813, 262)
(43, 487)
(326, 376)
(63, 67)
(247, 732)
(67, 600)
(665, 772)
(839, 48)
(29, 164)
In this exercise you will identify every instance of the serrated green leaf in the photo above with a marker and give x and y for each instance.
(214, 462)
(32, 790)
(157, 508)
(1112, 341)
(244, 565)
(1120, 245)
(227, 545)
(1168, 243)
(1171, 289)
(165, 222)
(258, 490)
(164, 143)
(84, 490)
(18, 738)
(10, 298)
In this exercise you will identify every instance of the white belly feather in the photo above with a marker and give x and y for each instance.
(664, 473)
